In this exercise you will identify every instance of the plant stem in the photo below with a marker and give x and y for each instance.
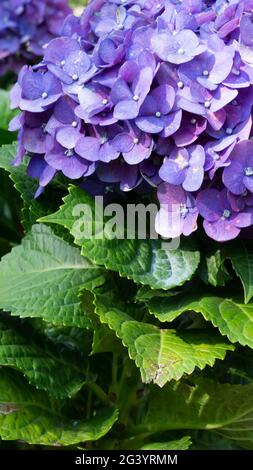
(115, 371)
(99, 392)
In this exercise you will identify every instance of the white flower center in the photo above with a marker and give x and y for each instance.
(226, 214)
(207, 104)
(229, 131)
(248, 171)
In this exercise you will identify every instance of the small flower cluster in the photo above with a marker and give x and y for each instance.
(154, 91)
(25, 27)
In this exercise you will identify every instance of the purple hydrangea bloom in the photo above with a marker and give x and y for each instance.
(238, 176)
(178, 213)
(25, 27)
(140, 94)
(221, 222)
(184, 167)
(156, 115)
(177, 48)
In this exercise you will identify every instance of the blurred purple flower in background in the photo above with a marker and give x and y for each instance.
(26, 26)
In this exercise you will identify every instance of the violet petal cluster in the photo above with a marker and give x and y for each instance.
(154, 91)
(26, 26)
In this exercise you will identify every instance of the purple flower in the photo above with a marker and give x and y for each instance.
(130, 90)
(246, 39)
(67, 161)
(238, 176)
(239, 203)
(118, 171)
(134, 145)
(210, 68)
(178, 213)
(177, 49)
(184, 167)
(221, 222)
(98, 147)
(38, 90)
(39, 169)
(198, 100)
(139, 94)
(190, 130)
(155, 114)
(217, 156)
(95, 105)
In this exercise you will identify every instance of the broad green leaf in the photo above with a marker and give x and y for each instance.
(181, 444)
(234, 319)
(6, 114)
(144, 261)
(48, 367)
(241, 256)
(29, 415)
(42, 278)
(226, 408)
(161, 355)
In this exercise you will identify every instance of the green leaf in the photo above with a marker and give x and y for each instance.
(144, 261)
(59, 371)
(104, 340)
(26, 187)
(180, 444)
(226, 408)
(6, 114)
(42, 278)
(234, 319)
(241, 256)
(161, 355)
(213, 271)
(29, 415)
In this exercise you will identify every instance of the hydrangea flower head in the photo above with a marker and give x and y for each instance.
(157, 92)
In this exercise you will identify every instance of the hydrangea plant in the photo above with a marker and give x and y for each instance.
(110, 341)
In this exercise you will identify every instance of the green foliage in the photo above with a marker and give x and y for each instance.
(46, 366)
(225, 408)
(144, 261)
(242, 261)
(161, 355)
(43, 278)
(233, 318)
(181, 444)
(30, 415)
(5, 116)
(116, 341)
